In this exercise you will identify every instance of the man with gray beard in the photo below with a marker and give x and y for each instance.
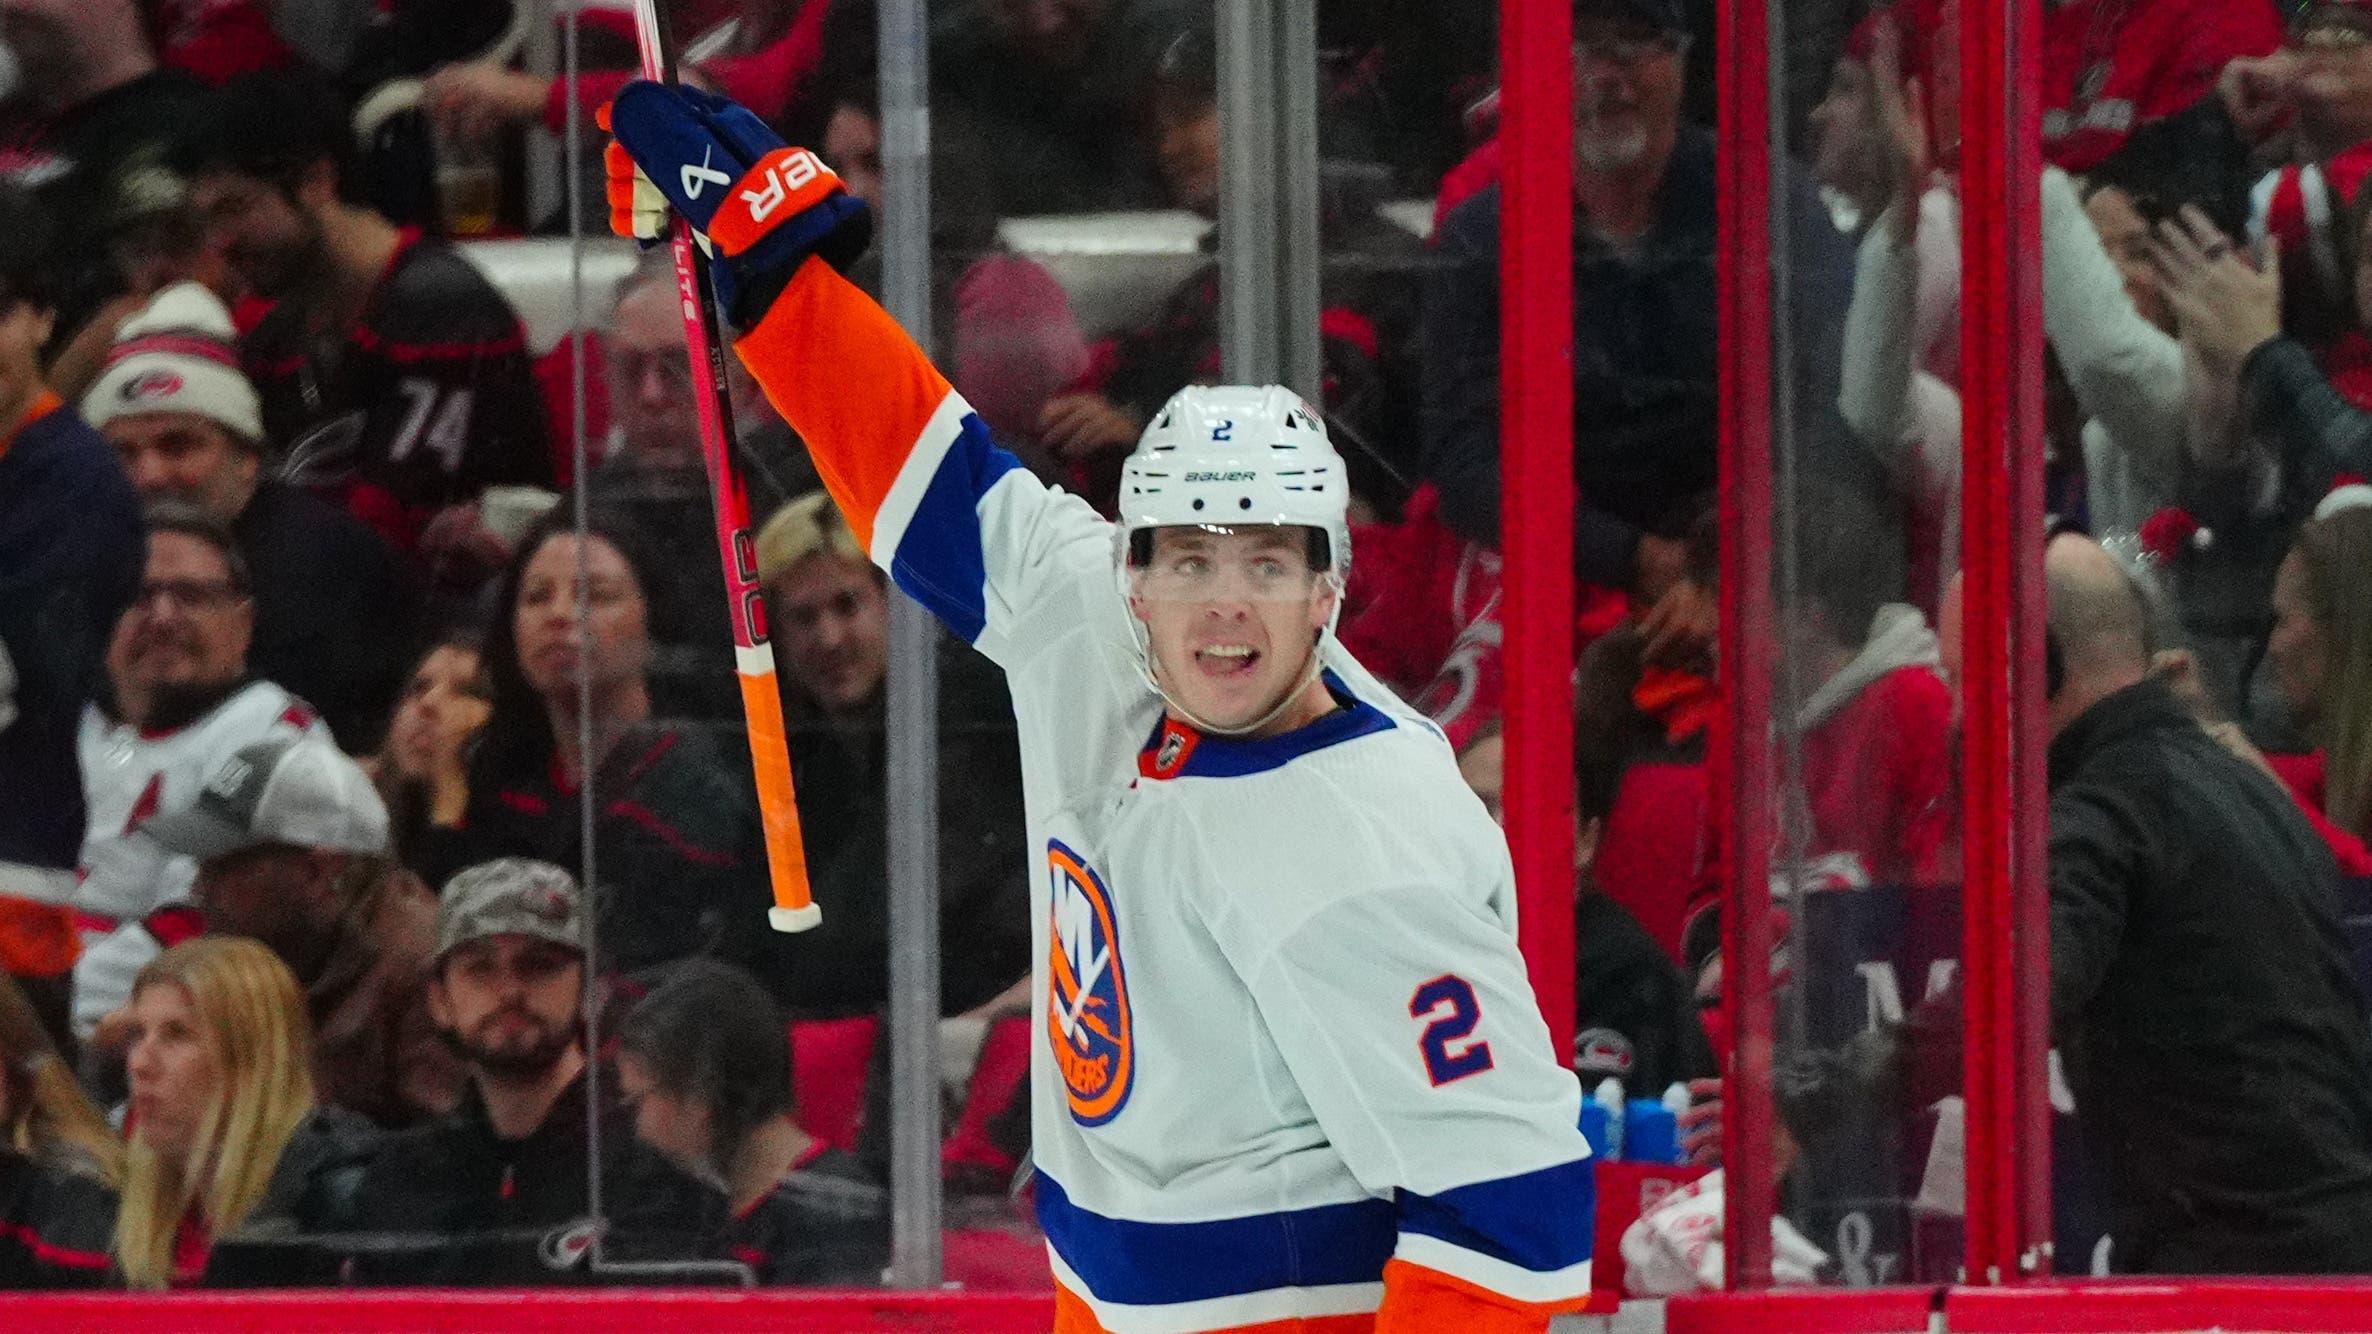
(1645, 363)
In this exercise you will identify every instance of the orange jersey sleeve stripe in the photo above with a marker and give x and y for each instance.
(1418, 1300)
(850, 382)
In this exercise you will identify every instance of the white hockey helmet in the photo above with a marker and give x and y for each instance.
(1235, 456)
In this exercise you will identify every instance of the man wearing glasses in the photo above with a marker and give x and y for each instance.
(183, 705)
(1645, 363)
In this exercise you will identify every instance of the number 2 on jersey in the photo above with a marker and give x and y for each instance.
(1451, 1052)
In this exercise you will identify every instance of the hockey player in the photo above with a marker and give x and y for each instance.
(1292, 1076)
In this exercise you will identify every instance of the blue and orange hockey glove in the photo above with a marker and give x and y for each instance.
(760, 206)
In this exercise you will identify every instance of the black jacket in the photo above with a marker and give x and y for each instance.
(826, 1224)
(2204, 999)
(1635, 1015)
(842, 966)
(678, 845)
(57, 1222)
(336, 610)
(452, 1203)
(1646, 363)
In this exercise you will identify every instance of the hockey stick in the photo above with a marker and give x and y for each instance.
(753, 662)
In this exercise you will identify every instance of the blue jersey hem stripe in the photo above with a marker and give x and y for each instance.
(1157, 1264)
(1541, 1221)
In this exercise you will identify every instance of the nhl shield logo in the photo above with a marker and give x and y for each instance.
(1087, 1019)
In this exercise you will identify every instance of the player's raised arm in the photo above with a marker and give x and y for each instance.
(953, 518)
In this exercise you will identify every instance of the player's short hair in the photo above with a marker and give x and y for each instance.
(28, 267)
(179, 516)
(707, 1031)
(809, 525)
(275, 126)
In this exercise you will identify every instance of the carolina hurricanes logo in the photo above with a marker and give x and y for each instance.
(155, 384)
(1087, 1021)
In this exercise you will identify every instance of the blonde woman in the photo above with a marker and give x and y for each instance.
(225, 1139)
(59, 1162)
(2321, 655)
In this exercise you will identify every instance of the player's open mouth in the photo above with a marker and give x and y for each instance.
(1226, 659)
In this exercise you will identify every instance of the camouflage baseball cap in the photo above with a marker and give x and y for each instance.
(514, 896)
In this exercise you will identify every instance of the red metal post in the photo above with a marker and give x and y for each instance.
(2005, 943)
(1536, 477)
(1745, 499)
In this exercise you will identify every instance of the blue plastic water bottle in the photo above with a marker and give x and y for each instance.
(1651, 1133)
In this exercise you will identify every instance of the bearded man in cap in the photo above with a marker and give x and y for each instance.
(335, 606)
(290, 839)
(497, 1190)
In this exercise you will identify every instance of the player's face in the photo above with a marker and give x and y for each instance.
(188, 627)
(2299, 650)
(266, 236)
(675, 1126)
(612, 645)
(830, 617)
(509, 1002)
(182, 456)
(172, 1068)
(1232, 616)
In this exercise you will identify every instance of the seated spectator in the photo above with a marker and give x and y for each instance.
(2194, 927)
(226, 1144)
(1644, 355)
(1635, 1013)
(92, 114)
(654, 472)
(1051, 91)
(829, 608)
(423, 770)
(183, 704)
(2321, 657)
(676, 831)
(1876, 716)
(392, 373)
(291, 846)
(334, 606)
(59, 1162)
(703, 1065)
(1097, 419)
(70, 557)
(507, 988)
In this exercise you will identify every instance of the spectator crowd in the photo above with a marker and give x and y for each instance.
(381, 880)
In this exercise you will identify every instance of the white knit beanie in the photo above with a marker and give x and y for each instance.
(180, 354)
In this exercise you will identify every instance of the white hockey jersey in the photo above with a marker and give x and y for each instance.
(130, 776)
(1284, 1033)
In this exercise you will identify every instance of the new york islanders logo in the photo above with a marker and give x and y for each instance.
(1087, 1020)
